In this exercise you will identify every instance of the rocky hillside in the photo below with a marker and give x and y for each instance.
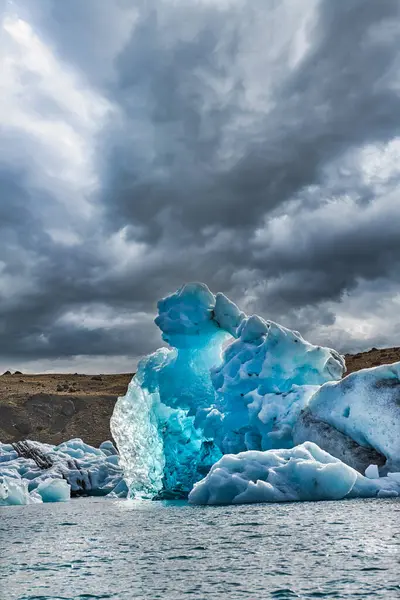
(372, 358)
(54, 408)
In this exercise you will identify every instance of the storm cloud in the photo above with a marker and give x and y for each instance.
(251, 145)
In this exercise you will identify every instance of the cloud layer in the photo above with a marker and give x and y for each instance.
(251, 145)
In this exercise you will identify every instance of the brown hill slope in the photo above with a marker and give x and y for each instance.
(54, 408)
(372, 358)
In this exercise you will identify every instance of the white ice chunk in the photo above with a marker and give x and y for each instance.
(372, 472)
(302, 473)
(14, 491)
(227, 314)
(365, 406)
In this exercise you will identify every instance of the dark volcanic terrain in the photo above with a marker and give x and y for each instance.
(55, 408)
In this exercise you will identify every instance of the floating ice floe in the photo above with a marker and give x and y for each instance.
(231, 383)
(301, 473)
(33, 472)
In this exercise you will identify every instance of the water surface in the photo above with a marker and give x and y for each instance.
(98, 548)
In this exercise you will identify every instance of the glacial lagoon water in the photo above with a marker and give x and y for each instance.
(115, 549)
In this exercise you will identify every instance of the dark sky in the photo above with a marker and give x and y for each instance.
(253, 145)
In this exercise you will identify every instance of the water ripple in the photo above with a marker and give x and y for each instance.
(95, 549)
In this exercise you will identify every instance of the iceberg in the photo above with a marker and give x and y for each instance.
(362, 409)
(35, 472)
(161, 449)
(232, 384)
(54, 490)
(227, 383)
(14, 491)
(302, 473)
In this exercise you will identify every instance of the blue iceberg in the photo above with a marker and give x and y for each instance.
(163, 451)
(230, 384)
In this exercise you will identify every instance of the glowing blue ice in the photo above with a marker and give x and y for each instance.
(229, 383)
(161, 449)
(266, 378)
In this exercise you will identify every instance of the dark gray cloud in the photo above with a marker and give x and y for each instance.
(333, 101)
(250, 145)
